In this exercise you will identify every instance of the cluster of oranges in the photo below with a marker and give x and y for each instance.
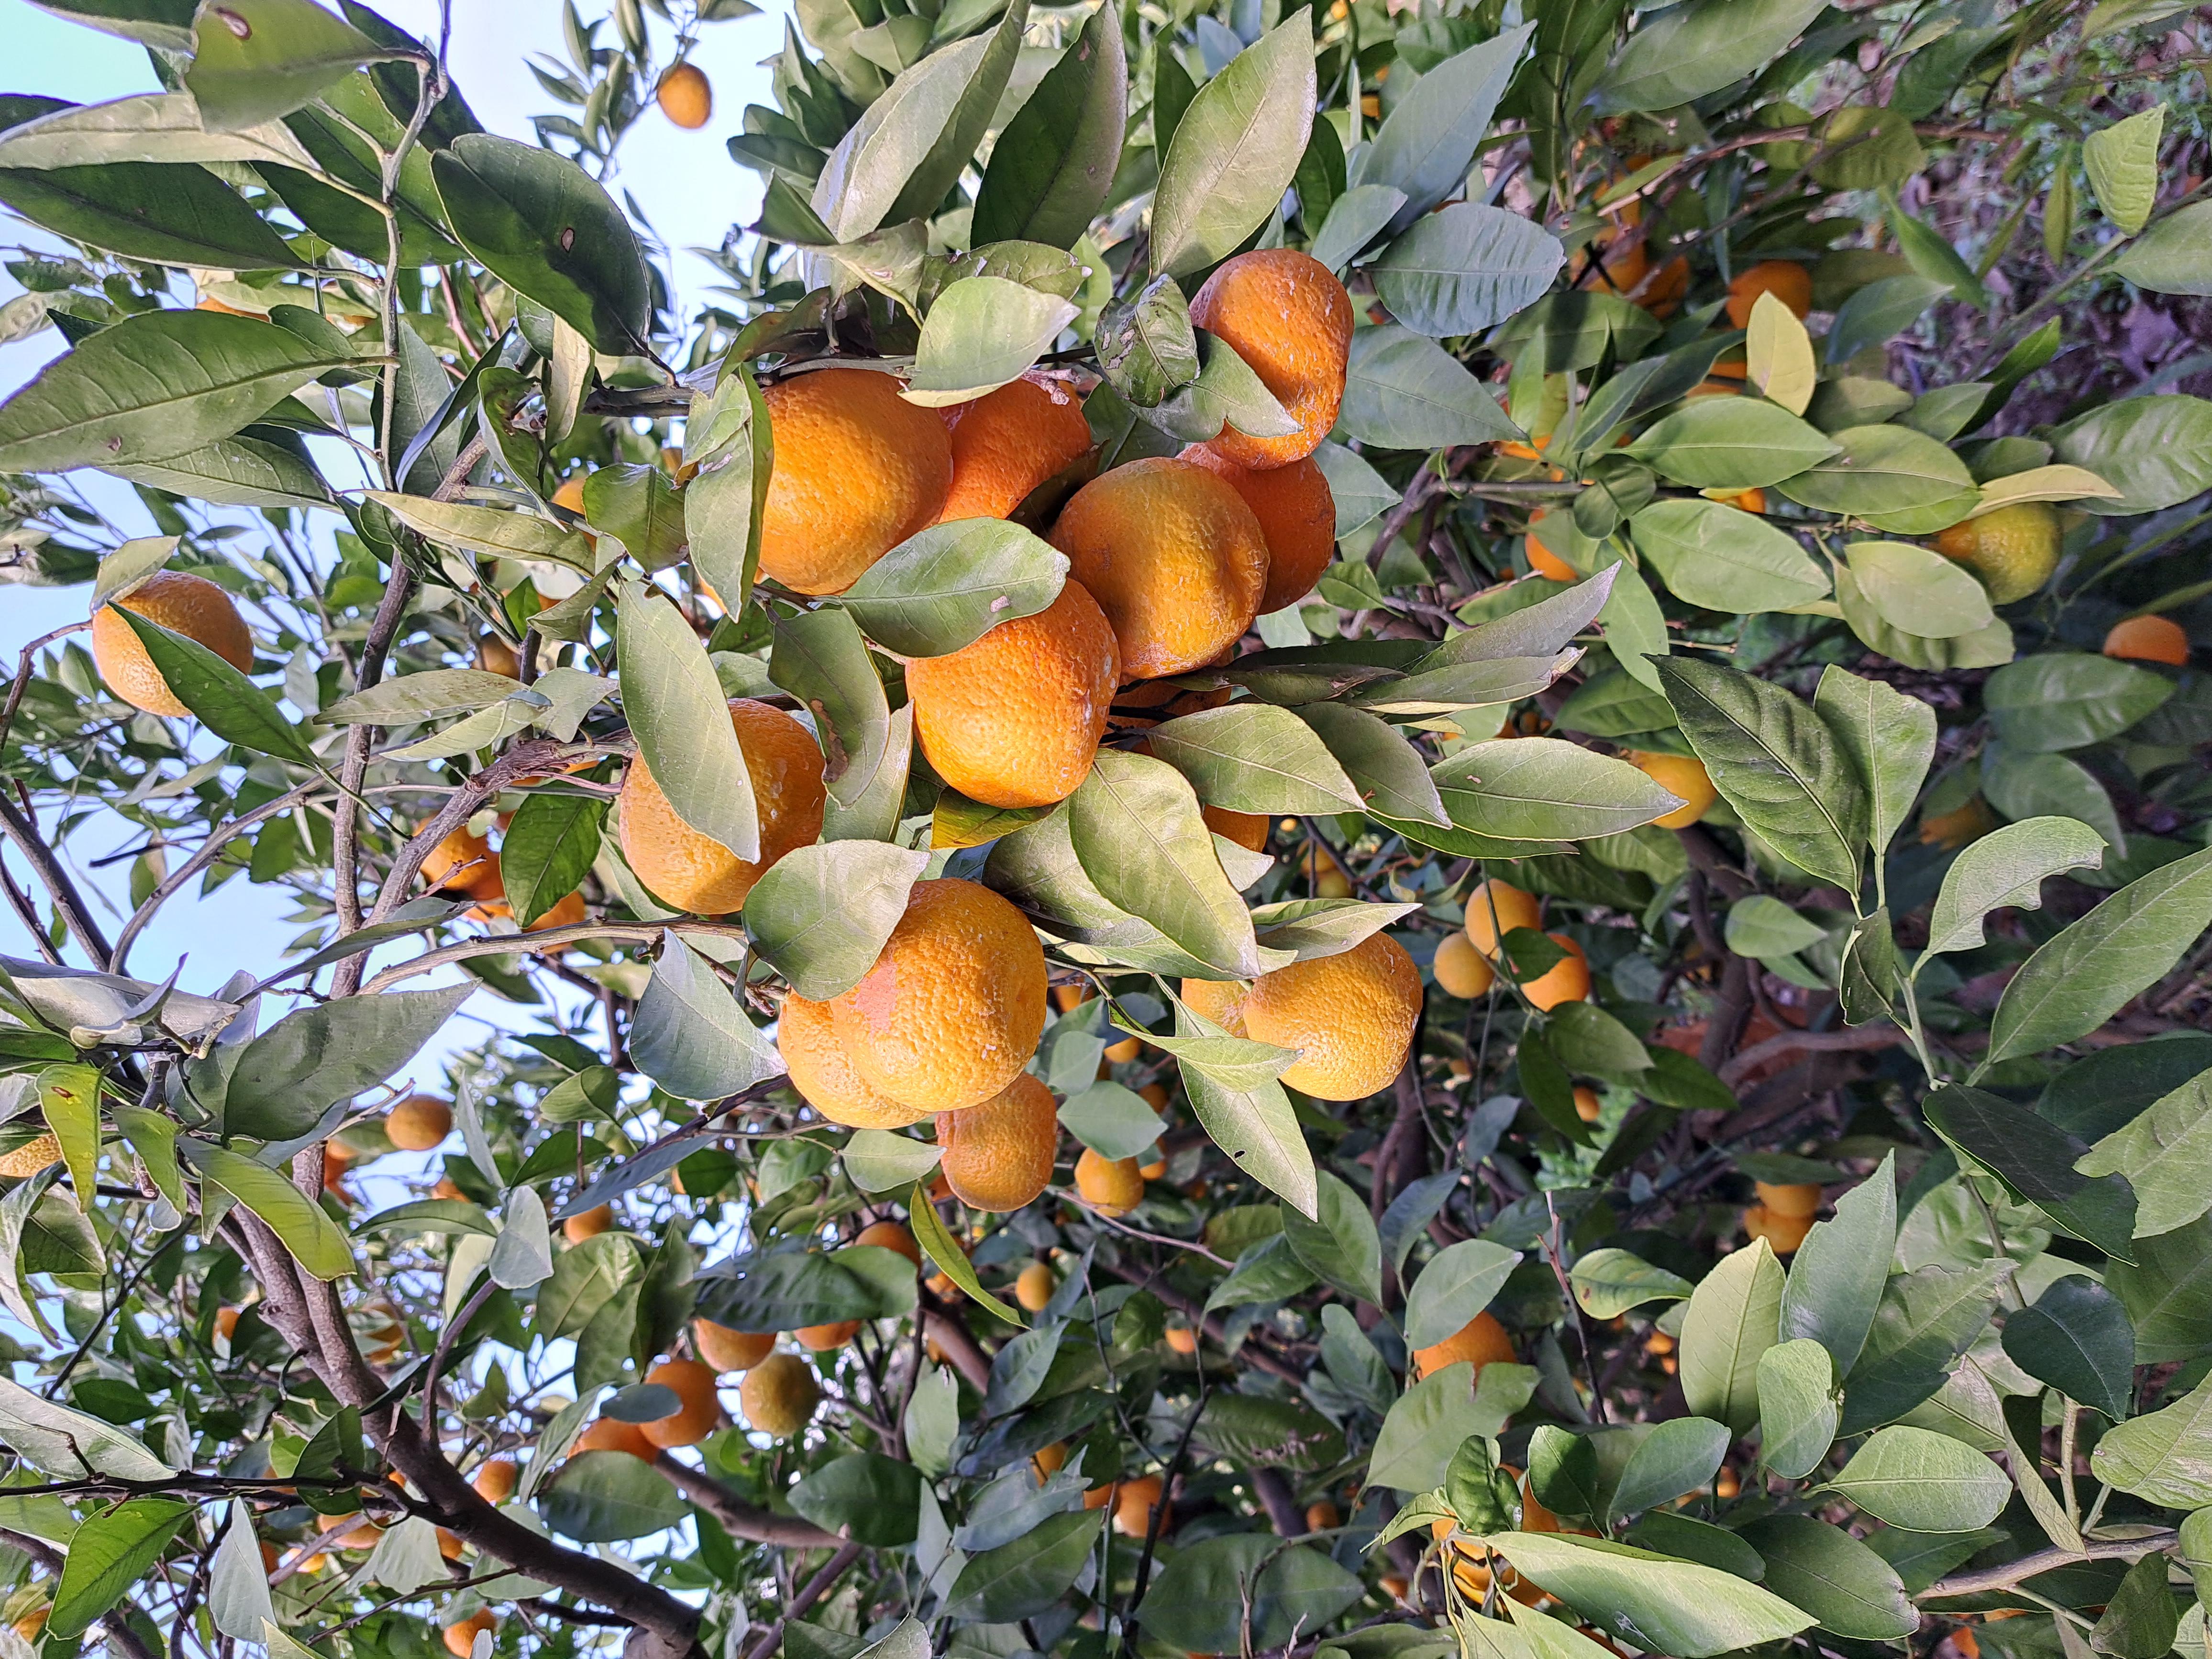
(1467, 962)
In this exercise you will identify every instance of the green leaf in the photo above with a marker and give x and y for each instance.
(682, 722)
(948, 586)
(1112, 1121)
(1251, 1118)
(2006, 869)
(821, 659)
(2036, 1160)
(879, 1161)
(1198, 1602)
(1608, 1282)
(608, 1497)
(1658, 1604)
(1927, 1319)
(1731, 443)
(255, 60)
(952, 1260)
(722, 506)
(1776, 762)
(2141, 1621)
(2156, 451)
(1797, 1410)
(1285, 1433)
(253, 469)
(1733, 1318)
(314, 1058)
(2069, 700)
(547, 850)
(1052, 164)
(1403, 391)
(153, 1139)
(65, 1443)
(68, 1100)
(1543, 788)
(641, 508)
(863, 1495)
(1923, 1481)
(2166, 1157)
(1679, 1455)
(1427, 142)
(172, 214)
(1778, 355)
(148, 126)
(1235, 151)
(1765, 928)
(317, 1242)
(820, 915)
(1355, 218)
(1836, 1281)
(108, 1554)
(1466, 267)
(1724, 559)
(2023, 787)
(1387, 774)
(1919, 590)
(1890, 738)
(152, 387)
(2174, 256)
(981, 332)
(1226, 392)
(690, 1036)
(495, 531)
(2077, 1338)
(1146, 346)
(1895, 479)
(1340, 1242)
(1844, 1586)
(1435, 1415)
(1457, 1284)
(1030, 1576)
(2075, 982)
(1687, 51)
(2122, 162)
(2164, 1458)
(1136, 830)
(1254, 758)
(546, 229)
(1267, 1271)
(1877, 313)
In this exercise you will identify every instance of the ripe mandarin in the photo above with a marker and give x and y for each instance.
(999, 1155)
(695, 872)
(1007, 442)
(727, 1350)
(1296, 515)
(2149, 639)
(1461, 970)
(419, 1122)
(806, 1037)
(1495, 908)
(182, 603)
(779, 1395)
(700, 1408)
(1114, 1186)
(858, 469)
(1285, 314)
(685, 96)
(1567, 980)
(1351, 1017)
(1683, 776)
(1785, 279)
(1247, 829)
(1543, 561)
(1481, 1341)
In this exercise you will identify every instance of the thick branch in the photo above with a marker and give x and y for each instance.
(2008, 1574)
(1792, 1042)
(738, 1518)
(1272, 1488)
(955, 1342)
(48, 869)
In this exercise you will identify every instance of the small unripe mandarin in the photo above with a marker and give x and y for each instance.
(1495, 908)
(1068, 998)
(1048, 1461)
(779, 1395)
(590, 1225)
(693, 1420)
(1183, 1340)
(1111, 1185)
(1545, 563)
(1461, 970)
(226, 1323)
(685, 96)
(727, 1349)
(334, 1169)
(449, 1188)
(612, 1434)
(1481, 1341)
(1134, 1509)
(1784, 1232)
(495, 1482)
(2013, 550)
(1726, 1484)
(1658, 1343)
(1567, 980)
(1586, 1105)
(891, 1235)
(827, 1339)
(1033, 1287)
(1683, 776)
(419, 1122)
(2149, 639)
(460, 1639)
(1323, 1517)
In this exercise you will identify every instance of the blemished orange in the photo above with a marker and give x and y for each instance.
(460, 1639)
(727, 1350)
(1221, 1001)
(693, 1384)
(1285, 314)
(182, 603)
(1567, 980)
(1682, 775)
(685, 96)
(806, 1037)
(612, 1434)
(695, 872)
(1350, 1016)
(827, 1339)
(1796, 1201)
(954, 1005)
(1543, 561)
(1785, 279)
(2012, 549)
(891, 1235)
(998, 1155)
(779, 1395)
(1007, 442)
(419, 1122)
(1113, 1185)
(1133, 1509)
(1033, 1287)
(858, 469)
(1298, 518)
(496, 1480)
(1323, 1517)
(1014, 718)
(1247, 829)
(1784, 1232)
(2149, 639)
(1481, 1341)
(588, 1224)
(1174, 558)
(1588, 1107)
(30, 1158)
(465, 863)
(1461, 970)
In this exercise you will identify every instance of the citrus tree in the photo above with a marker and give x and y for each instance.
(1345, 832)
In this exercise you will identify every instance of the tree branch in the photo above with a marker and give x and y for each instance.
(738, 1518)
(48, 869)
(814, 1588)
(2008, 1574)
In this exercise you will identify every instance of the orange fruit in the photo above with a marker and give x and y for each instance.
(1182, 1339)
(1014, 718)
(998, 1155)
(1221, 1001)
(1247, 829)
(1323, 1517)
(954, 1005)
(1567, 980)
(1784, 1232)
(1543, 561)
(1134, 1509)
(449, 1544)
(806, 1038)
(2013, 550)
(685, 96)
(1296, 515)
(225, 1320)
(1174, 558)
(1033, 1287)
(590, 1225)
(1481, 1341)
(419, 1122)
(612, 1434)
(1285, 314)
(570, 495)
(827, 1339)
(1795, 1202)
(1048, 1461)
(2149, 639)
(1727, 1483)
(891, 1235)
(496, 656)
(1461, 970)
(1965, 1643)
(31, 1157)
(448, 1188)
(858, 469)
(1683, 776)
(695, 873)
(1007, 442)
(1588, 1107)
(1351, 1017)
(779, 1395)
(465, 863)
(353, 1531)
(1112, 1185)
(1961, 824)
(1747, 501)
(496, 1480)
(183, 604)
(1785, 279)
(727, 1349)
(1393, 1585)
(693, 1421)
(1658, 1343)
(460, 1639)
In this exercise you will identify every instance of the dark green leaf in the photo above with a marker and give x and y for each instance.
(1235, 151)
(2077, 1339)
(864, 1495)
(547, 850)
(1843, 1584)
(949, 585)
(820, 914)
(1199, 1599)
(1428, 140)
(1136, 830)
(1050, 169)
(1339, 1243)
(108, 1554)
(690, 1036)
(1403, 391)
(2036, 1160)
(1797, 1411)
(607, 1496)
(301, 1225)
(175, 214)
(1464, 268)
